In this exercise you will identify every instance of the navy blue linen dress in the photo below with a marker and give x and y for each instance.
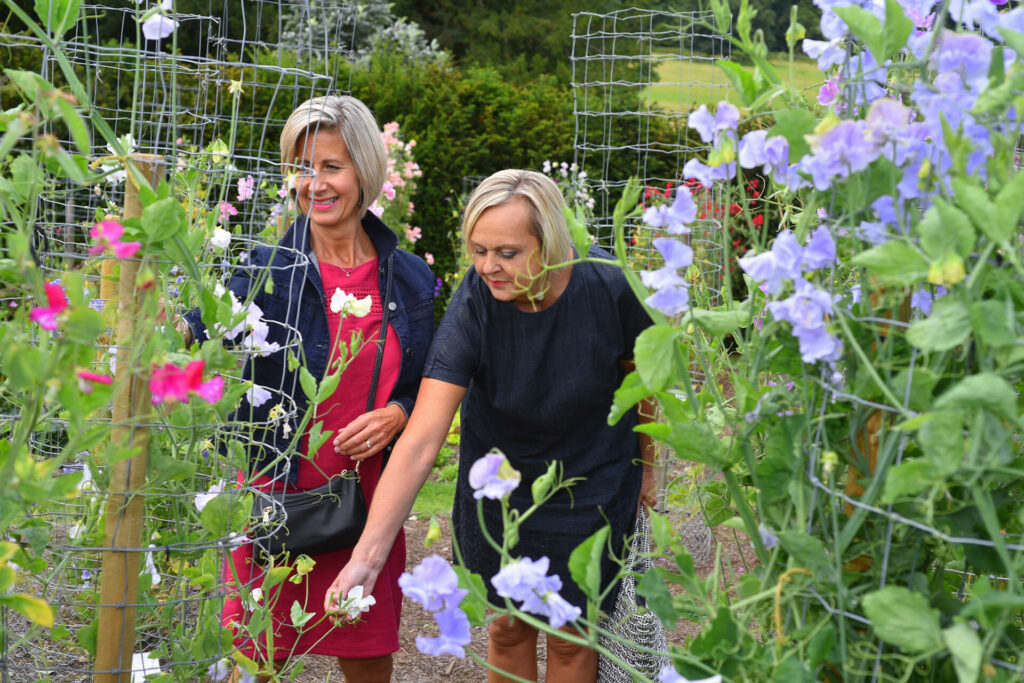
(539, 388)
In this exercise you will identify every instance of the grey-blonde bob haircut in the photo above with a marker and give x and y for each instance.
(547, 218)
(349, 118)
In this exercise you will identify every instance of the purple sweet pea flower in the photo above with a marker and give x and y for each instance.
(919, 11)
(454, 625)
(703, 122)
(776, 266)
(966, 54)
(872, 232)
(829, 91)
(710, 127)
(492, 477)
(757, 149)
(674, 218)
(975, 14)
(675, 253)
(887, 120)
(827, 52)
(433, 584)
(670, 300)
(838, 152)
(820, 251)
(558, 610)
(922, 299)
(526, 581)
(805, 311)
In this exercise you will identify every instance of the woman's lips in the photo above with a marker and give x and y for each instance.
(324, 205)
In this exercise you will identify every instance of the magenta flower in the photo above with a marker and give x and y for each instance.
(123, 250)
(107, 234)
(86, 380)
(46, 316)
(829, 91)
(170, 384)
(493, 477)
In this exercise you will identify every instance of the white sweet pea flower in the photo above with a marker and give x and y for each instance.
(346, 304)
(158, 27)
(257, 396)
(221, 239)
(144, 664)
(355, 604)
(202, 499)
(150, 567)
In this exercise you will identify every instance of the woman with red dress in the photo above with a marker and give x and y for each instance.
(332, 146)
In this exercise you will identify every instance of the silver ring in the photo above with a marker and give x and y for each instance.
(368, 445)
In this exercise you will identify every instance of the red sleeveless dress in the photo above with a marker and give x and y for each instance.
(377, 633)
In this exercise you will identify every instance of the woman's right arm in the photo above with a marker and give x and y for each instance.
(409, 466)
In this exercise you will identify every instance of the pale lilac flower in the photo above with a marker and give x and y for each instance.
(805, 311)
(887, 120)
(158, 27)
(559, 611)
(493, 477)
(820, 251)
(975, 14)
(246, 188)
(707, 175)
(675, 218)
(768, 539)
(710, 127)
(965, 54)
(922, 299)
(670, 300)
(838, 152)
(433, 584)
(257, 395)
(828, 92)
(827, 52)
(526, 581)
(757, 149)
(219, 670)
(778, 265)
(455, 636)
(872, 232)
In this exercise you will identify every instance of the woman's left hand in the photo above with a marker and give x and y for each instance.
(370, 433)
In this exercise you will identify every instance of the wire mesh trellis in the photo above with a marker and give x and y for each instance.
(636, 75)
(208, 100)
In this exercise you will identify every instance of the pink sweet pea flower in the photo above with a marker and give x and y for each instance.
(108, 234)
(171, 383)
(123, 250)
(86, 380)
(413, 234)
(226, 210)
(429, 258)
(46, 316)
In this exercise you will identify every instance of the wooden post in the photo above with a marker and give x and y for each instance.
(119, 577)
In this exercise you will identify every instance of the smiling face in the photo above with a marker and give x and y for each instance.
(506, 253)
(328, 186)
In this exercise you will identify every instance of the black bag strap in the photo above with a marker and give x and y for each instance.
(385, 305)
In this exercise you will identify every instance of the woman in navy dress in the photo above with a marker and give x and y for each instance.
(534, 357)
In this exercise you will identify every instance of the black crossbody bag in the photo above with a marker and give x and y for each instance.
(329, 517)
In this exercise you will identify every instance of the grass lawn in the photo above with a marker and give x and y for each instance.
(435, 498)
(686, 84)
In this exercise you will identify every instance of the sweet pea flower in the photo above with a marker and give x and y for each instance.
(219, 670)
(150, 567)
(672, 296)
(246, 188)
(413, 235)
(527, 581)
(455, 636)
(86, 379)
(433, 584)
(675, 218)
(757, 149)
(226, 211)
(493, 477)
(828, 92)
(429, 258)
(776, 266)
(107, 234)
(257, 395)
(355, 604)
(171, 383)
(46, 316)
(202, 499)
(820, 251)
(220, 239)
(709, 127)
(347, 304)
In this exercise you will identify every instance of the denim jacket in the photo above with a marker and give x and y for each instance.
(296, 309)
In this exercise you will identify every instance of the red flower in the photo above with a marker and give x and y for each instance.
(758, 220)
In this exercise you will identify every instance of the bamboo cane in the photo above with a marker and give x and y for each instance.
(119, 578)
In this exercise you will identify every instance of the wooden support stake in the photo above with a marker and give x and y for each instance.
(119, 577)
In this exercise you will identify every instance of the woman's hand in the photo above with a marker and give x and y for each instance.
(369, 433)
(355, 573)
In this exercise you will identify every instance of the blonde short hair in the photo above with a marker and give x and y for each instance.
(547, 217)
(352, 120)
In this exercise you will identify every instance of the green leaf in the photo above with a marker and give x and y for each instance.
(652, 588)
(689, 440)
(626, 397)
(946, 228)
(585, 562)
(942, 441)
(897, 29)
(985, 390)
(578, 231)
(806, 551)
(723, 320)
(741, 79)
(907, 479)
(474, 604)
(904, 619)
(1014, 39)
(655, 357)
(76, 126)
(627, 204)
(993, 322)
(57, 15)
(163, 219)
(965, 646)
(30, 84)
(318, 437)
(215, 517)
(86, 637)
(794, 124)
(83, 326)
(6, 578)
(32, 608)
(894, 262)
(949, 325)
(975, 202)
(23, 366)
(1008, 210)
(307, 382)
(275, 576)
(327, 388)
(866, 28)
(774, 471)
(300, 616)
(26, 176)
